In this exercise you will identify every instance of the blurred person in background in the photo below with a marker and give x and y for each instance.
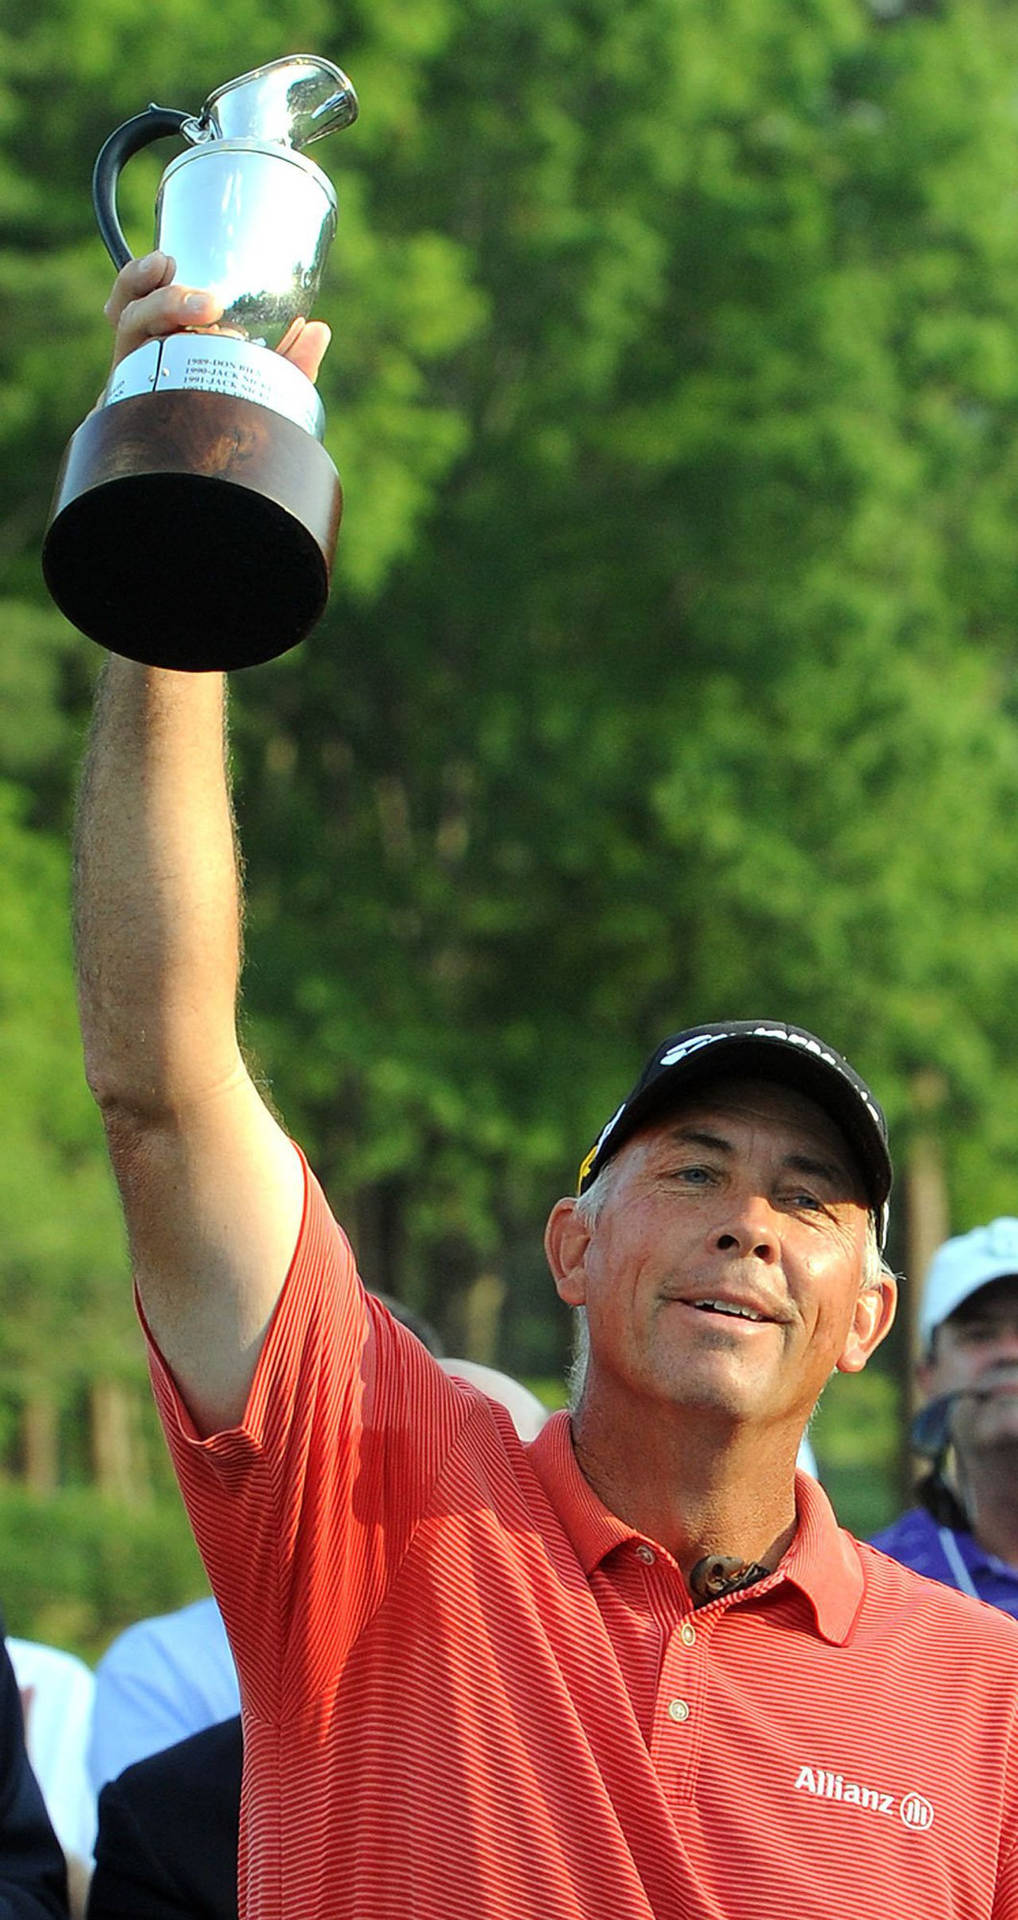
(168, 1829)
(160, 1680)
(964, 1528)
(33, 1875)
(57, 1690)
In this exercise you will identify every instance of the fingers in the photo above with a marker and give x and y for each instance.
(146, 304)
(305, 345)
(136, 279)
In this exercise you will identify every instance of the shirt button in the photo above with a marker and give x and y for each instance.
(646, 1555)
(687, 1635)
(678, 1710)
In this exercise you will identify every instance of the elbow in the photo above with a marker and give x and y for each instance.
(133, 1101)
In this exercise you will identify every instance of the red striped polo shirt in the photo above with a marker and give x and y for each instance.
(472, 1693)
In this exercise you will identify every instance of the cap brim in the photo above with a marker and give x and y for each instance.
(758, 1056)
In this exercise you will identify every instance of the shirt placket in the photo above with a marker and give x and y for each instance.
(680, 1698)
(680, 1707)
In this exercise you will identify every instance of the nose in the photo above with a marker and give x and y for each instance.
(749, 1229)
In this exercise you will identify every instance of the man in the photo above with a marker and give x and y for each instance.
(632, 1669)
(965, 1529)
(33, 1875)
(57, 1691)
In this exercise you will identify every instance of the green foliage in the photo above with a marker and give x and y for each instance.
(64, 1308)
(855, 1436)
(78, 1568)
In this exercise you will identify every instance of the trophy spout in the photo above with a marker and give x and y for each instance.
(290, 101)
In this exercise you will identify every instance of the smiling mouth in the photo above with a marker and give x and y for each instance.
(726, 1307)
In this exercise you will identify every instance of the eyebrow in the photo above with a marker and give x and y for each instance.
(698, 1137)
(833, 1170)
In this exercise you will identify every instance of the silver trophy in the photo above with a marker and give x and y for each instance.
(199, 490)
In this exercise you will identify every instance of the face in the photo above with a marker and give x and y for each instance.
(725, 1267)
(975, 1354)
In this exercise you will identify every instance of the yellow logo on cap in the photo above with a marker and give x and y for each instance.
(586, 1164)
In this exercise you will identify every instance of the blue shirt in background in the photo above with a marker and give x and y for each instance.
(952, 1556)
(162, 1679)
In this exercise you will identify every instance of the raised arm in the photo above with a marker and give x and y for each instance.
(211, 1187)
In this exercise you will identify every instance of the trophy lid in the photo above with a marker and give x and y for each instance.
(293, 101)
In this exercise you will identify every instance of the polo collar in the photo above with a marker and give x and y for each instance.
(593, 1529)
(822, 1560)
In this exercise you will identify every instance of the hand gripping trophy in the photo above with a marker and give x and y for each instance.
(199, 489)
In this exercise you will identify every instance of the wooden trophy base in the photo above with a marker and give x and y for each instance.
(193, 530)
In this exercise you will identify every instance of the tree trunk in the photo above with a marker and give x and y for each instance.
(480, 1310)
(116, 1457)
(927, 1226)
(40, 1443)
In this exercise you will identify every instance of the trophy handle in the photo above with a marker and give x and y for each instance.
(154, 124)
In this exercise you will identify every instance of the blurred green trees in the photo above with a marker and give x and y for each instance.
(669, 670)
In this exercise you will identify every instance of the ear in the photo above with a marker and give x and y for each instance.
(874, 1313)
(566, 1239)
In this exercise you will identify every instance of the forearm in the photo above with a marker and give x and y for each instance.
(156, 895)
(212, 1189)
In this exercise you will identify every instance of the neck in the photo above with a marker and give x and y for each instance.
(987, 1486)
(693, 1489)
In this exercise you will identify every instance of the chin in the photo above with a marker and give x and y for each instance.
(734, 1400)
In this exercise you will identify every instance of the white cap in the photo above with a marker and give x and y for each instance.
(528, 1412)
(961, 1266)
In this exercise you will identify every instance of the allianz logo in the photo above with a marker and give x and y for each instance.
(910, 1808)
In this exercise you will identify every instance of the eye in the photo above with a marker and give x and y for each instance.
(805, 1202)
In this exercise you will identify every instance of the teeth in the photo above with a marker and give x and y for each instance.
(725, 1306)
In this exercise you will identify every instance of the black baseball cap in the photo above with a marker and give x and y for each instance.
(766, 1050)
